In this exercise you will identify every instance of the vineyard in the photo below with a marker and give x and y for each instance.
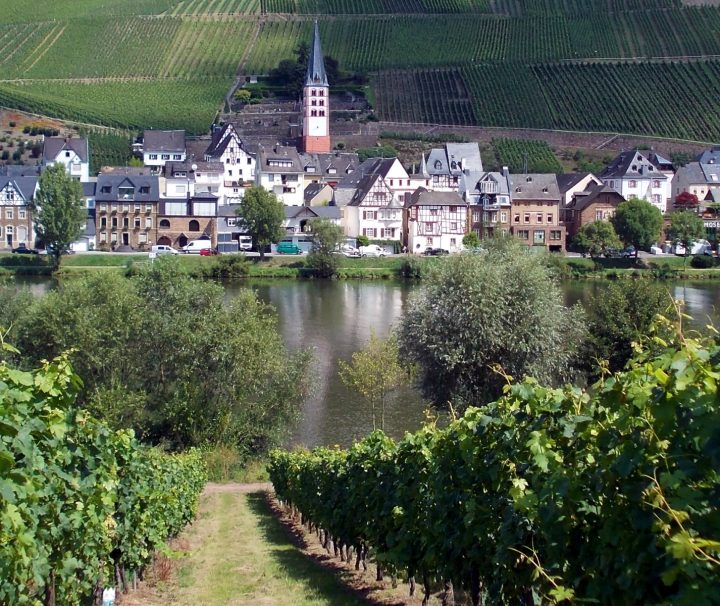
(526, 156)
(81, 504)
(545, 496)
(108, 149)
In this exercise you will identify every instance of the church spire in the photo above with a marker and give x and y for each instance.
(315, 75)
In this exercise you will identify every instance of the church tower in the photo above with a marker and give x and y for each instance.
(316, 101)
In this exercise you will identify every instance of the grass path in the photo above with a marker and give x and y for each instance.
(239, 553)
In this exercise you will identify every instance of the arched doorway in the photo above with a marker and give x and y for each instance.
(182, 240)
(165, 241)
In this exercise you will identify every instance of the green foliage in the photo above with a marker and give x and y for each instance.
(60, 214)
(685, 227)
(165, 355)
(480, 317)
(637, 222)
(411, 268)
(602, 496)
(262, 215)
(374, 373)
(362, 240)
(702, 262)
(108, 149)
(323, 258)
(77, 497)
(230, 267)
(381, 151)
(620, 316)
(596, 238)
(517, 154)
(471, 240)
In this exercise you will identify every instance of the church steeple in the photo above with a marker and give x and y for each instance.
(315, 75)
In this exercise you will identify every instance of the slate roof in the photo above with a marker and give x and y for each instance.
(25, 185)
(108, 185)
(692, 173)
(19, 170)
(279, 153)
(424, 197)
(710, 156)
(315, 74)
(453, 159)
(331, 165)
(534, 186)
(567, 181)
(164, 141)
(472, 180)
(54, 145)
(582, 200)
(89, 189)
(632, 164)
(227, 210)
(222, 136)
(90, 228)
(711, 172)
(172, 169)
(321, 212)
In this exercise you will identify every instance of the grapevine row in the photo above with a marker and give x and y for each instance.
(80, 503)
(606, 496)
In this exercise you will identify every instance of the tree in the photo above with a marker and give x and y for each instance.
(620, 316)
(596, 237)
(323, 257)
(471, 240)
(685, 227)
(638, 222)
(375, 372)
(60, 213)
(167, 356)
(243, 95)
(686, 200)
(262, 215)
(479, 318)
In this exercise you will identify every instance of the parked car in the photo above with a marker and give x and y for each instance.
(435, 252)
(628, 252)
(196, 246)
(656, 250)
(208, 252)
(164, 249)
(22, 249)
(348, 251)
(372, 250)
(288, 248)
(245, 242)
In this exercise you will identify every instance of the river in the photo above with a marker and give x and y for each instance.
(335, 318)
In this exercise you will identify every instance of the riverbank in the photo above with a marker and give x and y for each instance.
(399, 266)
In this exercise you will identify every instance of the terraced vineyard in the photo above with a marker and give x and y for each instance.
(487, 62)
(526, 156)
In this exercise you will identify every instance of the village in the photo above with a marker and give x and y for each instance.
(188, 189)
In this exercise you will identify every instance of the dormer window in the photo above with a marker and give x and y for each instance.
(332, 170)
(545, 190)
(438, 164)
(105, 189)
(651, 168)
(634, 167)
(126, 192)
(145, 189)
(309, 169)
(518, 189)
(528, 179)
(67, 154)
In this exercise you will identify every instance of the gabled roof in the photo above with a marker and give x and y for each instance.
(330, 165)
(90, 228)
(25, 186)
(710, 156)
(321, 212)
(89, 189)
(471, 182)
(692, 173)
(452, 159)
(174, 169)
(164, 141)
(363, 190)
(711, 173)
(108, 185)
(583, 199)
(315, 74)
(567, 181)
(54, 145)
(632, 164)
(221, 138)
(19, 170)
(279, 159)
(424, 197)
(534, 186)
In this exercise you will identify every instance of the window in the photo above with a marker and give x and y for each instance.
(598, 215)
(103, 222)
(177, 157)
(656, 183)
(136, 224)
(656, 199)
(105, 189)
(142, 238)
(555, 234)
(103, 238)
(632, 183)
(164, 224)
(428, 227)
(194, 225)
(527, 217)
(387, 232)
(539, 217)
(453, 226)
(476, 216)
(165, 157)
(550, 218)
(148, 208)
(523, 234)
(114, 223)
(503, 217)
(67, 154)
(539, 236)
(369, 215)
(145, 189)
(153, 156)
(369, 232)
(231, 221)
(321, 112)
(148, 222)
(126, 222)
(516, 217)
(8, 213)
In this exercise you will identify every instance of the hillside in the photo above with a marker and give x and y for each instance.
(648, 67)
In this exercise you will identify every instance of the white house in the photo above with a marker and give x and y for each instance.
(634, 175)
(280, 170)
(571, 184)
(374, 211)
(16, 222)
(443, 167)
(162, 146)
(239, 163)
(73, 153)
(435, 219)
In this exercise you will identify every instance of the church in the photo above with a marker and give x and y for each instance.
(316, 102)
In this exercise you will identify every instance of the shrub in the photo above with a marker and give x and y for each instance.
(411, 268)
(231, 267)
(702, 262)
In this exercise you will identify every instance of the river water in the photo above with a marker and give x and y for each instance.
(335, 319)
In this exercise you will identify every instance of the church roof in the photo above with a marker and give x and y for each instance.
(315, 74)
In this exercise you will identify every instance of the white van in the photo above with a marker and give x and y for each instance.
(163, 249)
(245, 242)
(194, 247)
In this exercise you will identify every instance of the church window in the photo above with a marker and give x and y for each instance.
(321, 102)
(313, 112)
(177, 157)
(438, 164)
(313, 92)
(165, 157)
(322, 112)
(313, 102)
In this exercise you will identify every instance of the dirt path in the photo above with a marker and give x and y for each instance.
(242, 550)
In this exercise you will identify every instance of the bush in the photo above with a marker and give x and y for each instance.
(411, 268)
(702, 262)
(230, 267)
